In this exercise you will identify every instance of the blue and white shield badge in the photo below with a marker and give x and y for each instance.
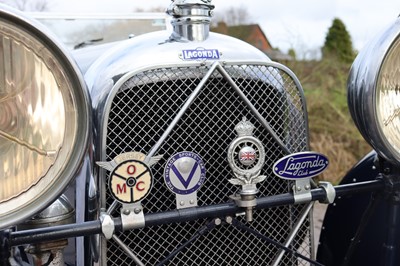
(184, 174)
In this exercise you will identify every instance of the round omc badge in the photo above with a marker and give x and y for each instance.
(131, 181)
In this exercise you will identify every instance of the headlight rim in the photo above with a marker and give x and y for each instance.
(82, 124)
(362, 91)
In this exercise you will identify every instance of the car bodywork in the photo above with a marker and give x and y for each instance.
(188, 147)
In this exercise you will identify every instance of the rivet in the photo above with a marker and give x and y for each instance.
(137, 210)
(191, 202)
(126, 212)
(182, 203)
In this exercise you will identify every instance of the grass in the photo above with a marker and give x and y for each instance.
(332, 130)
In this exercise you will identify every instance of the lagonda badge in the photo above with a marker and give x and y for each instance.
(200, 54)
(131, 179)
(300, 165)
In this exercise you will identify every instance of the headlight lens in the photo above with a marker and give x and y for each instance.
(43, 119)
(388, 98)
(374, 93)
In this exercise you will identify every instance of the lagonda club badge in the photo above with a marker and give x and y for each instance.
(131, 179)
(300, 165)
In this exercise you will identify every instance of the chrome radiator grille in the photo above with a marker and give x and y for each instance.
(143, 109)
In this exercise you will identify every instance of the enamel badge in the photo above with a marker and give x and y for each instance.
(184, 174)
(300, 165)
(131, 179)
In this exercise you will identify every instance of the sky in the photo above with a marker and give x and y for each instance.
(301, 25)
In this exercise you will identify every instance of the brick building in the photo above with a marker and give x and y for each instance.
(254, 35)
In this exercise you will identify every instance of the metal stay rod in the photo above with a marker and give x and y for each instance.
(349, 189)
(56, 232)
(230, 208)
(182, 111)
(183, 215)
(256, 113)
(295, 230)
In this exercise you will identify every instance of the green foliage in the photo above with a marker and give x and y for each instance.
(331, 127)
(338, 43)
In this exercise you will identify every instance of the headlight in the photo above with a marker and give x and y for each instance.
(43, 118)
(374, 93)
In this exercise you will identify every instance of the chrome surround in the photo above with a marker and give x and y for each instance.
(361, 89)
(83, 131)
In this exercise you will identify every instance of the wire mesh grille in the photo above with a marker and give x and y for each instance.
(143, 109)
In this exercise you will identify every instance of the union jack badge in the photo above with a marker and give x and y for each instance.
(246, 155)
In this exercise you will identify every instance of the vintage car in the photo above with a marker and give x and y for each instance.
(184, 147)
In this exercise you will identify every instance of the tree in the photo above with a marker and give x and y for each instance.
(233, 16)
(26, 5)
(338, 42)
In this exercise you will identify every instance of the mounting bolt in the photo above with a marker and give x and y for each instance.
(191, 202)
(126, 212)
(137, 210)
(217, 221)
(229, 219)
(182, 203)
